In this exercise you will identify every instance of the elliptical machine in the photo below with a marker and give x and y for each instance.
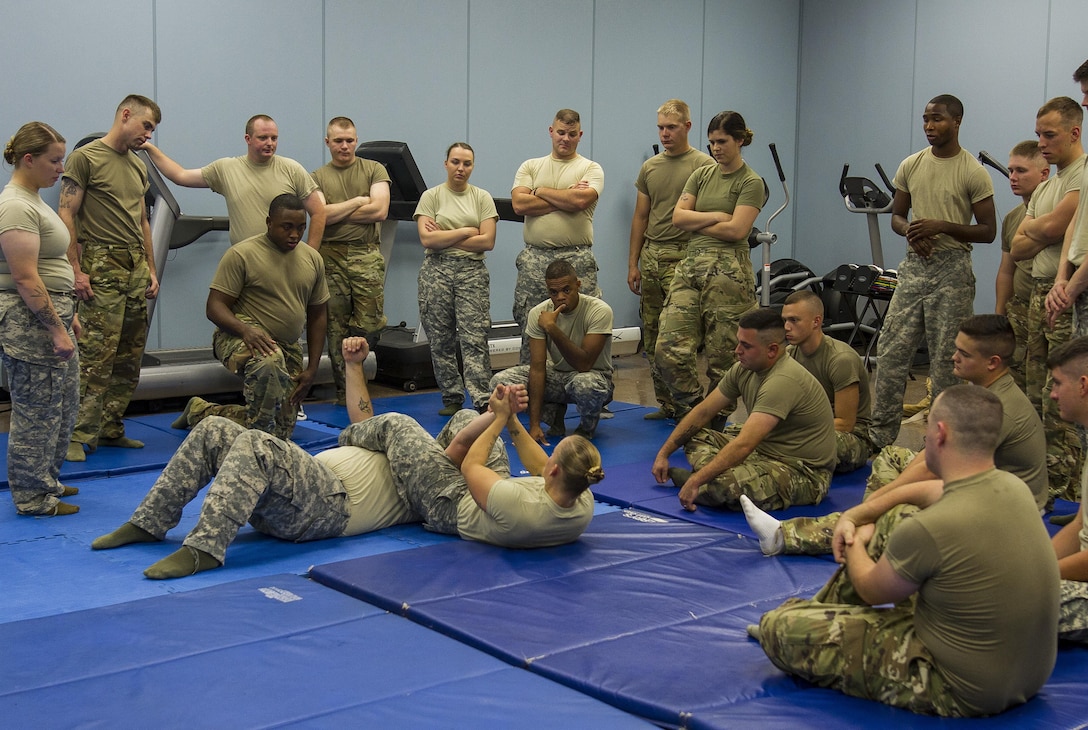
(871, 282)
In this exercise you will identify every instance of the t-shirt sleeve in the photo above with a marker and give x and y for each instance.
(320, 293)
(427, 205)
(77, 168)
(230, 275)
(524, 176)
(981, 184)
(594, 175)
(599, 321)
(843, 371)
(695, 181)
(777, 396)
(752, 193)
(911, 551)
(532, 323)
(486, 206)
(213, 175)
(17, 216)
(640, 182)
(729, 386)
(301, 180)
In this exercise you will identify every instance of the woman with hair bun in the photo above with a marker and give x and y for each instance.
(38, 324)
(714, 284)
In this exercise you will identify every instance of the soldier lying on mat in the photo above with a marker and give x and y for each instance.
(387, 470)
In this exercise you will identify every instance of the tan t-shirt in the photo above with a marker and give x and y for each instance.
(805, 432)
(373, 502)
(560, 229)
(249, 189)
(716, 191)
(944, 188)
(452, 210)
(1078, 247)
(591, 317)
(24, 210)
(987, 606)
(520, 514)
(662, 179)
(1021, 446)
(340, 184)
(1021, 278)
(272, 288)
(113, 186)
(836, 366)
(1043, 201)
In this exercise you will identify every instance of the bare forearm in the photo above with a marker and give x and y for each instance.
(532, 456)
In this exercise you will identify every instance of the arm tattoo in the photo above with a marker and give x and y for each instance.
(364, 406)
(68, 188)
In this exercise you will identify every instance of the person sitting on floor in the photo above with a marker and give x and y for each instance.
(285, 492)
(785, 451)
(839, 369)
(570, 356)
(984, 346)
(973, 577)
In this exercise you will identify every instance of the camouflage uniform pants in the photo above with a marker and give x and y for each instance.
(1080, 315)
(267, 384)
(589, 392)
(933, 297)
(530, 289)
(834, 640)
(711, 289)
(425, 478)
(771, 484)
(114, 335)
(657, 263)
(812, 535)
(1063, 449)
(1073, 614)
(272, 484)
(44, 402)
(356, 277)
(455, 309)
(1016, 309)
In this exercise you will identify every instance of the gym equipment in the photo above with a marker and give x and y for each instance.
(861, 195)
(987, 159)
(765, 238)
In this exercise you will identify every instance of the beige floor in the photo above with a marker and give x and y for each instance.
(633, 385)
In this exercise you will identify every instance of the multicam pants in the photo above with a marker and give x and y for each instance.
(114, 334)
(834, 640)
(355, 274)
(769, 483)
(711, 289)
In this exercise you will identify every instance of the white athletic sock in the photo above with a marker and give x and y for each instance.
(767, 528)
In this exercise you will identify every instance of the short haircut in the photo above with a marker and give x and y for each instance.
(285, 201)
(559, 269)
(973, 414)
(337, 122)
(675, 108)
(462, 145)
(137, 101)
(1081, 73)
(766, 322)
(809, 298)
(949, 102)
(257, 118)
(33, 138)
(1028, 149)
(1074, 353)
(993, 333)
(568, 116)
(732, 123)
(1069, 110)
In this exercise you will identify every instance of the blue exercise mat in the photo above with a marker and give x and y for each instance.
(649, 614)
(267, 652)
